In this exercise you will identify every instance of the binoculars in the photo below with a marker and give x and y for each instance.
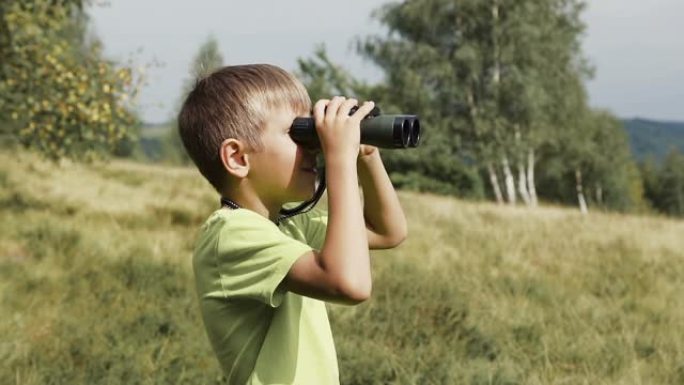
(384, 131)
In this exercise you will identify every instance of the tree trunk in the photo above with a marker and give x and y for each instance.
(510, 182)
(497, 67)
(599, 195)
(522, 184)
(496, 77)
(495, 183)
(530, 178)
(580, 193)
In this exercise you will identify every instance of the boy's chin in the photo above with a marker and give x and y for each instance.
(306, 193)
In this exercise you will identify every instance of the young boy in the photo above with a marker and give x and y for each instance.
(261, 281)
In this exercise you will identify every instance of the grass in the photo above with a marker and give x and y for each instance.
(96, 287)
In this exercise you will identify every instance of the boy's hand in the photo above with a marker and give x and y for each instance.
(338, 131)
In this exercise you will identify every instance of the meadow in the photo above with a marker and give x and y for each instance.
(96, 288)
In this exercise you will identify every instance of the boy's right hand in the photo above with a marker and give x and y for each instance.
(339, 132)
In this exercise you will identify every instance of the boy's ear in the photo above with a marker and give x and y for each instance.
(234, 158)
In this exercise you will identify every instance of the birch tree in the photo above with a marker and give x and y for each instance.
(539, 44)
(500, 83)
(485, 64)
(445, 49)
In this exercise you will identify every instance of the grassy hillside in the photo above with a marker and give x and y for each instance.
(96, 288)
(654, 138)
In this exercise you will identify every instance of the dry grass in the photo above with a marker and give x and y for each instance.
(96, 288)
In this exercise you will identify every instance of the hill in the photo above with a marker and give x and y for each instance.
(97, 288)
(654, 138)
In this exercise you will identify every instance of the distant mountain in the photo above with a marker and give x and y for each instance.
(654, 138)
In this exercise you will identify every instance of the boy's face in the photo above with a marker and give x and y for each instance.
(283, 171)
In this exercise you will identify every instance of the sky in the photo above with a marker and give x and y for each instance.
(635, 46)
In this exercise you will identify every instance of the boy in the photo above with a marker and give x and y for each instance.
(261, 281)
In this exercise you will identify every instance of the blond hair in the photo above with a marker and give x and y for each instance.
(234, 102)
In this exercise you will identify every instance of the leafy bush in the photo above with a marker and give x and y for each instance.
(58, 93)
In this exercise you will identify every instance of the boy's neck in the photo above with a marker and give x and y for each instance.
(250, 201)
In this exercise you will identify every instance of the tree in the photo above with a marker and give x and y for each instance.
(430, 167)
(323, 78)
(481, 70)
(612, 176)
(665, 186)
(591, 164)
(63, 98)
(542, 91)
(500, 85)
(207, 59)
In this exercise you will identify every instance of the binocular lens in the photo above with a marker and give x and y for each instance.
(405, 133)
(409, 133)
(414, 139)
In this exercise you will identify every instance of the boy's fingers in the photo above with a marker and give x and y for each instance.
(319, 111)
(346, 107)
(320, 104)
(332, 108)
(364, 110)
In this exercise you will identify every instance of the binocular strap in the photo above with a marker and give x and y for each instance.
(288, 213)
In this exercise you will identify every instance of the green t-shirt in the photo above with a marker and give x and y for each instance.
(261, 333)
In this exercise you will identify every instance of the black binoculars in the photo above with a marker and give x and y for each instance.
(384, 131)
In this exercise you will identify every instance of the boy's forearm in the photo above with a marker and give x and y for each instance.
(382, 211)
(345, 251)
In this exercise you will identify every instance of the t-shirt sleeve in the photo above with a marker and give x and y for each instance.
(253, 257)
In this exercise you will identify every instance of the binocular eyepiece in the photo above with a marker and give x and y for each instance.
(384, 131)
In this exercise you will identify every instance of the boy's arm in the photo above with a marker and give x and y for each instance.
(340, 272)
(384, 217)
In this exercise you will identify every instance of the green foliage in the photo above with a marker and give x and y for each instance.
(489, 80)
(665, 185)
(610, 167)
(324, 79)
(207, 59)
(485, 71)
(434, 166)
(610, 177)
(63, 98)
